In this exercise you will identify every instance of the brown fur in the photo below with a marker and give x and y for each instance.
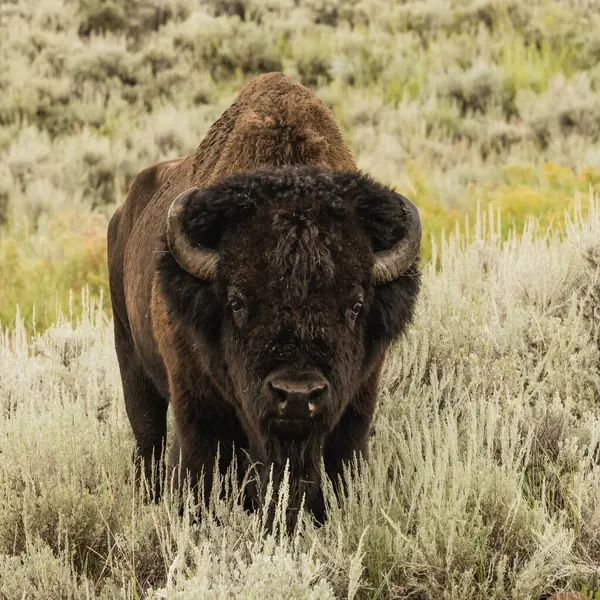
(274, 123)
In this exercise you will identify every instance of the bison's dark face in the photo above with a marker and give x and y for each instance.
(294, 281)
(297, 293)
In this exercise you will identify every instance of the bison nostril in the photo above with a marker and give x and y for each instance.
(315, 394)
(280, 396)
(278, 392)
(297, 397)
(313, 400)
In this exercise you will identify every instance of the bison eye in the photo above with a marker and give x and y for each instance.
(352, 313)
(236, 305)
(239, 310)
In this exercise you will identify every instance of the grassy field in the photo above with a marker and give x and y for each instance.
(484, 480)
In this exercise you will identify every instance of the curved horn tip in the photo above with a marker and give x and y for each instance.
(391, 264)
(196, 260)
(181, 199)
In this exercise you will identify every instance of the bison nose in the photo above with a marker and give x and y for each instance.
(298, 397)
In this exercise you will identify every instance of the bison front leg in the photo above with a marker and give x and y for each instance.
(146, 410)
(347, 441)
(349, 438)
(205, 429)
(194, 454)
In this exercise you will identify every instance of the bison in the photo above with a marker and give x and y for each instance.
(256, 285)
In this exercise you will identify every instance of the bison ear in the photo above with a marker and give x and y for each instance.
(393, 223)
(393, 262)
(195, 224)
(206, 212)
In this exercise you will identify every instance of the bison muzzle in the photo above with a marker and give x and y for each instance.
(256, 285)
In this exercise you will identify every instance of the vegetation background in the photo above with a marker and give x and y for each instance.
(485, 479)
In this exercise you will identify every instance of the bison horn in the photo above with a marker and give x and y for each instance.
(198, 261)
(390, 264)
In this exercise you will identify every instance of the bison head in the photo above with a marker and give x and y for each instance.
(293, 282)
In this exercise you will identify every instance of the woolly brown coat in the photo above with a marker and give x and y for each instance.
(273, 123)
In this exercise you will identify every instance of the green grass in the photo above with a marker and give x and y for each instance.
(39, 269)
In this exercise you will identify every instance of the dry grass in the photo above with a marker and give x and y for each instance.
(483, 482)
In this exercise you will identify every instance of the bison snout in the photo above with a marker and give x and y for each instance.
(297, 396)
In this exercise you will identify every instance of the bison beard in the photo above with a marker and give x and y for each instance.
(256, 285)
(304, 460)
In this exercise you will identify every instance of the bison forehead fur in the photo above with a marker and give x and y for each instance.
(272, 348)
